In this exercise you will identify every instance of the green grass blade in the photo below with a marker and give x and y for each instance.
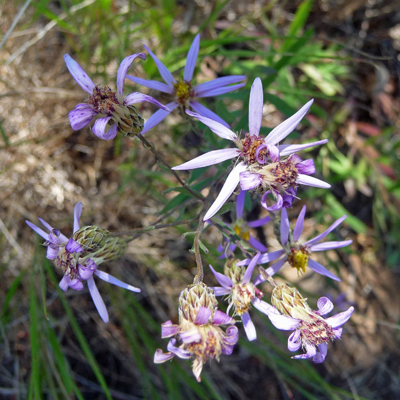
(79, 334)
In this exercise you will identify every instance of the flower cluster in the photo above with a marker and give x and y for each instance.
(79, 257)
(261, 166)
(199, 331)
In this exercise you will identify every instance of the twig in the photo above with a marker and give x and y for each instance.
(196, 244)
(139, 231)
(14, 23)
(41, 34)
(160, 157)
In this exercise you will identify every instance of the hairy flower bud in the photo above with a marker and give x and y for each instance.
(99, 244)
(199, 332)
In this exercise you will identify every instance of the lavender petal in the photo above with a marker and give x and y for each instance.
(321, 354)
(41, 232)
(207, 159)
(311, 181)
(169, 329)
(73, 247)
(223, 280)
(288, 126)
(284, 227)
(99, 128)
(277, 206)
(306, 167)
(259, 222)
(256, 107)
(330, 245)
(221, 318)
(97, 300)
(64, 283)
(61, 237)
(77, 215)
(249, 180)
(203, 316)
(294, 341)
(273, 269)
(216, 127)
(311, 352)
(191, 59)
(249, 327)
(318, 268)
(325, 306)
(164, 72)
(82, 79)
(205, 112)
(339, 319)
(114, 281)
(298, 228)
(158, 116)
(191, 336)
(80, 117)
(137, 97)
(219, 91)
(240, 204)
(220, 291)
(162, 87)
(229, 186)
(287, 149)
(123, 69)
(201, 89)
(323, 234)
(270, 256)
(52, 252)
(249, 271)
(177, 351)
(283, 322)
(160, 357)
(263, 306)
(257, 245)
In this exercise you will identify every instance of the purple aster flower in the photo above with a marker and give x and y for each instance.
(260, 163)
(119, 114)
(241, 228)
(79, 256)
(311, 331)
(242, 293)
(185, 94)
(199, 334)
(298, 254)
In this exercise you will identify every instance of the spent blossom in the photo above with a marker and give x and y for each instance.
(80, 256)
(242, 293)
(260, 163)
(184, 93)
(298, 254)
(241, 227)
(311, 331)
(118, 114)
(199, 334)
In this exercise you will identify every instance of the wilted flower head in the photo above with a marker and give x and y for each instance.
(298, 254)
(183, 91)
(242, 293)
(311, 331)
(80, 256)
(241, 227)
(199, 334)
(261, 164)
(119, 114)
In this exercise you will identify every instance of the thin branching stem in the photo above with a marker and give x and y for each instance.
(162, 159)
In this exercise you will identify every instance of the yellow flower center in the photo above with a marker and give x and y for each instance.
(183, 92)
(298, 258)
(241, 230)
